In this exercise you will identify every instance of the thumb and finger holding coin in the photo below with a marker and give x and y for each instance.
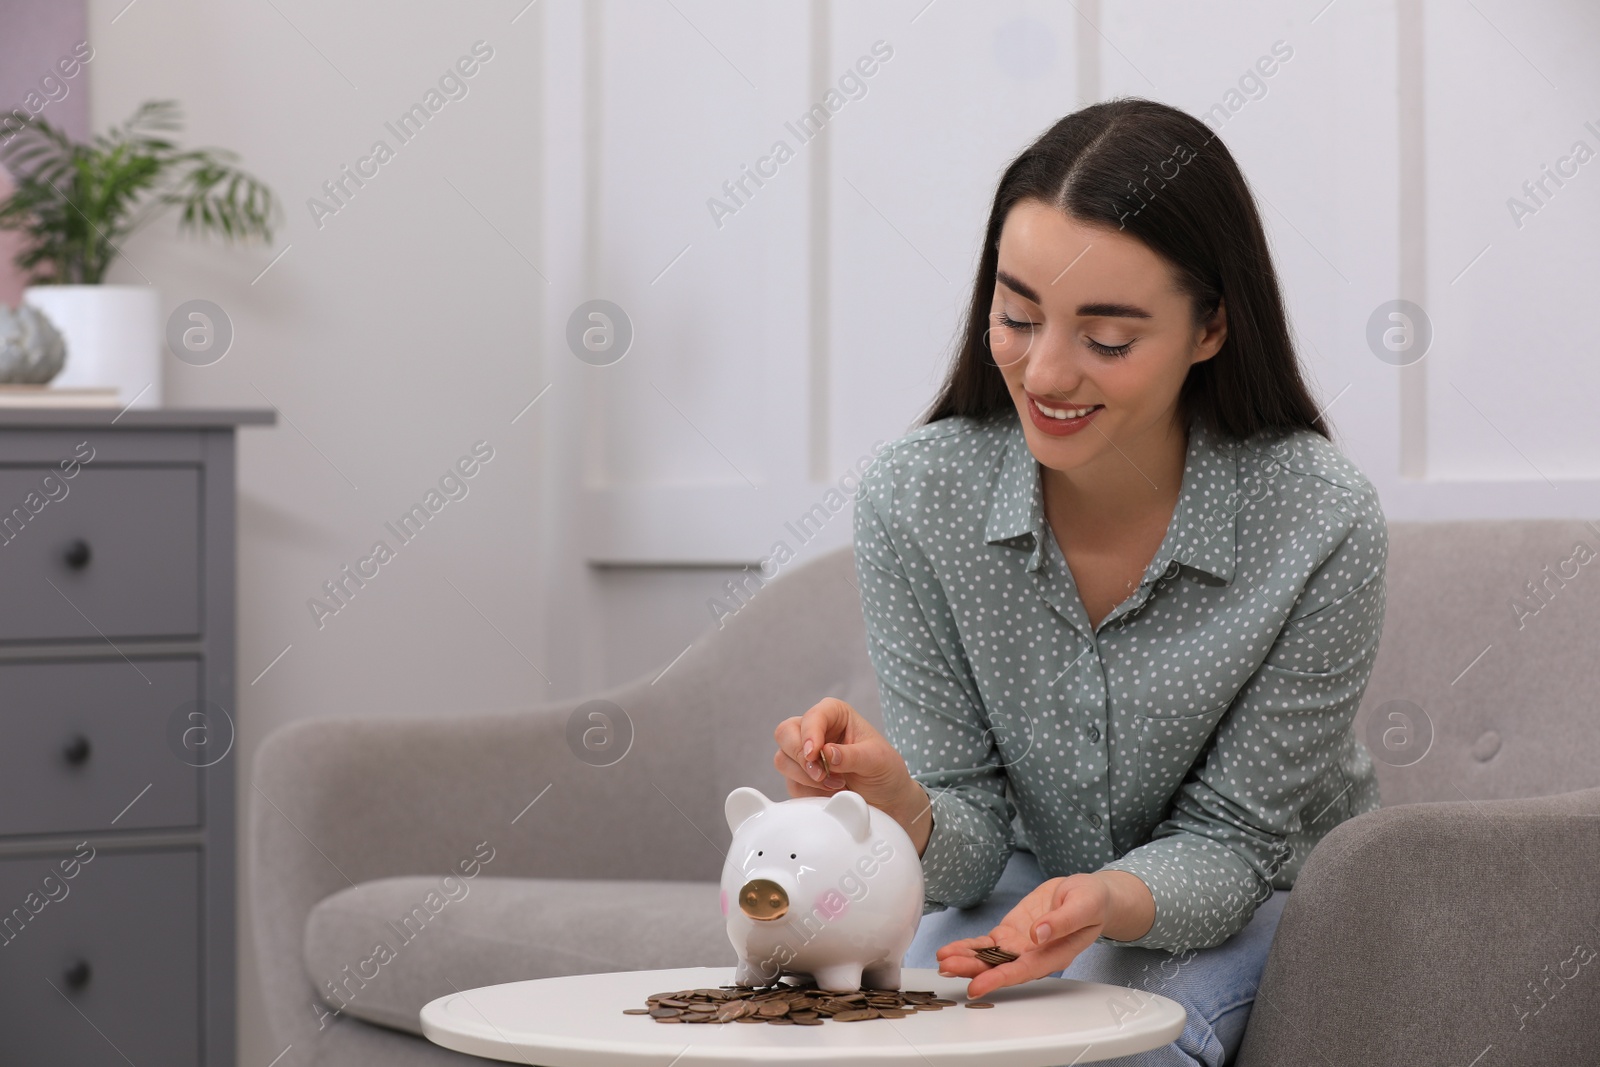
(827, 742)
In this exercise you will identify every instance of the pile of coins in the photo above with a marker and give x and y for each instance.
(994, 955)
(790, 1005)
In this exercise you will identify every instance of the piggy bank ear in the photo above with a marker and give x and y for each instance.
(850, 808)
(743, 803)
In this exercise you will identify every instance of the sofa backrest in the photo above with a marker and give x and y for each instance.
(1491, 645)
(1487, 682)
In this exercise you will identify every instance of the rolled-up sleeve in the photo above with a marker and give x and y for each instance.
(1210, 863)
(932, 712)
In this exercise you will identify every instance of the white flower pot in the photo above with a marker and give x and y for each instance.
(113, 335)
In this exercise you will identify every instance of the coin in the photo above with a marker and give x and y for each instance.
(826, 770)
(798, 1003)
(979, 1004)
(994, 954)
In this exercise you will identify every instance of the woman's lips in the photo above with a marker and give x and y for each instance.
(1060, 427)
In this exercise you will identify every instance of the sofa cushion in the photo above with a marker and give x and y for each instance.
(381, 950)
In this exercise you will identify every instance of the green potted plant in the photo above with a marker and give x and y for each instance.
(76, 203)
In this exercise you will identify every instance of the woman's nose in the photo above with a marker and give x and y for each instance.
(1052, 374)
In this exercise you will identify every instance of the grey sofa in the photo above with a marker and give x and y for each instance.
(1459, 921)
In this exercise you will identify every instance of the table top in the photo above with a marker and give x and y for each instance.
(578, 1021)
(123, 418)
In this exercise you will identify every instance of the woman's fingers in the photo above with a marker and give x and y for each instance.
(825, 719)
(824, 725)
(1037, 961)
(1074, 905)
(797, 776)
(967, 945)
(790, 761)
(1047, 931)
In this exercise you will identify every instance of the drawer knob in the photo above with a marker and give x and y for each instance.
(77, 976)
(77, 554)
(76, 751)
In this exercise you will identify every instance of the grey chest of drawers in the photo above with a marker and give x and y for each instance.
(117, 729)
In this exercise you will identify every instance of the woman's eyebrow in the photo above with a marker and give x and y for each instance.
(1113, 311)
(1016, 285)
(1102, 310)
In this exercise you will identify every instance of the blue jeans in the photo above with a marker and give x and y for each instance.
(1216, 985)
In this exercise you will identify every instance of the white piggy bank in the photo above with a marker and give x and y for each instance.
(828, 887)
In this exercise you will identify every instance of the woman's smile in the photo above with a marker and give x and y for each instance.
(1060, 420)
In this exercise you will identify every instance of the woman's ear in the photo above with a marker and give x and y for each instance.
(1211, 335)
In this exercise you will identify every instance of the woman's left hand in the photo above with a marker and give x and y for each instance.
(1047, 929)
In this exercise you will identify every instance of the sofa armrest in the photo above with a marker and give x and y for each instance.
(338, 802)
(335, 803)
(1431, 932)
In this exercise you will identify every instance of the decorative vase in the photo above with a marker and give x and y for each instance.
(113, 335)
(32, 350)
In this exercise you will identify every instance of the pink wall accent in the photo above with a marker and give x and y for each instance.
(34, 34)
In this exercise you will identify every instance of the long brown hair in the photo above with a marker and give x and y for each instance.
(1109, 164)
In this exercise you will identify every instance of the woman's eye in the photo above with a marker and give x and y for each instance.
(1011, 323)
(1109, 350)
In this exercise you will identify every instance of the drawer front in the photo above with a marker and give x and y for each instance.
(100, 969)
(82, 739)
(120, 545)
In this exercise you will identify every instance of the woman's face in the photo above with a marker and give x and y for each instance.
(1088, 316)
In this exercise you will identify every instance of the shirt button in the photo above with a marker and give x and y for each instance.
(1094, 733)
(1094, 819)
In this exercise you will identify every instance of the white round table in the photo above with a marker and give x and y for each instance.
(577, 1021)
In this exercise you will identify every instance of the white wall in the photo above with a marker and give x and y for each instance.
(391, 338)
(821, 316)
(773, 350)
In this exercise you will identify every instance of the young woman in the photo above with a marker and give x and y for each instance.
(1122, 594)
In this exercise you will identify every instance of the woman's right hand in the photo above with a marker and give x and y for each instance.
(861, 759)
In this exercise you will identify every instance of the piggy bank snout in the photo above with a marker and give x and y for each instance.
(763, 899)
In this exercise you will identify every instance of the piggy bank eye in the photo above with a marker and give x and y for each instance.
(791, 855)
(758, 852)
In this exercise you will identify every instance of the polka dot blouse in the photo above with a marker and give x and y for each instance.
(1199, 737)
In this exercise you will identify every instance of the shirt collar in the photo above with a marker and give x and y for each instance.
(1201, 534)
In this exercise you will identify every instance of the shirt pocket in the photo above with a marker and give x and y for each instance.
(1168, 746)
